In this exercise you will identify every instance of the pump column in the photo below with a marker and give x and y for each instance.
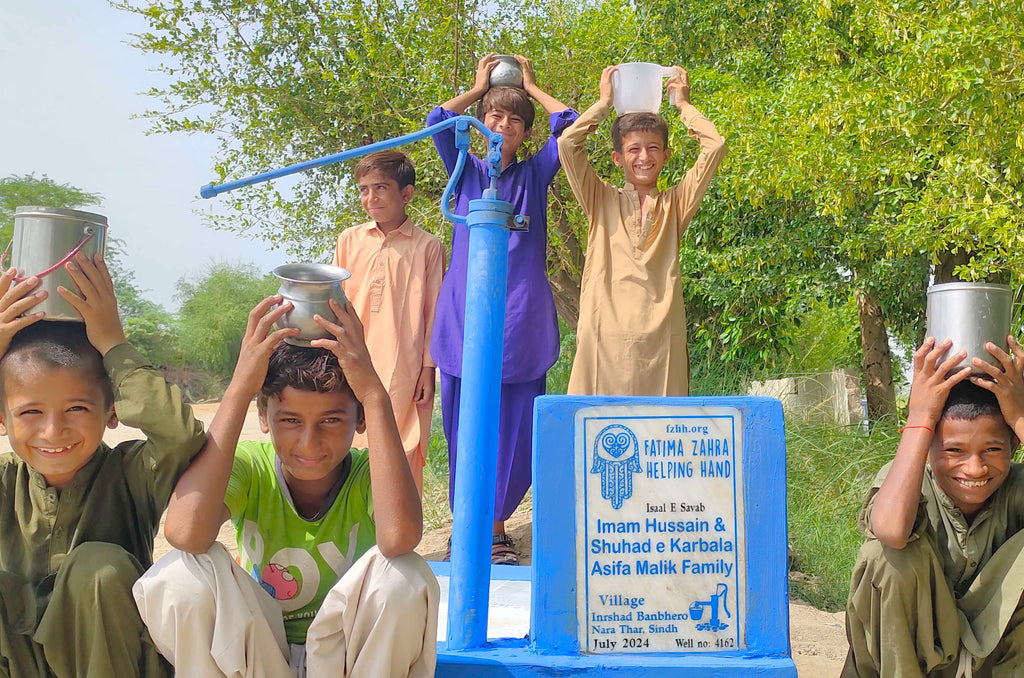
(473, 511)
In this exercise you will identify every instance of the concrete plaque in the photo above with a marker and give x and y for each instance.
(661, 563)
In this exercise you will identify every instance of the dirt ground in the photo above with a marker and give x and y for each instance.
(818, 638)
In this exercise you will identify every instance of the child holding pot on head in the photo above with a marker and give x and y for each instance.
(396, 276)
(937, 586)
(531, 327)
(77, 517)
(330, 585)
(631, 337)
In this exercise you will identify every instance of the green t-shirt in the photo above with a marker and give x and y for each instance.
(296, 560)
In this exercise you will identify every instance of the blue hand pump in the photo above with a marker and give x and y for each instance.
(489, 220)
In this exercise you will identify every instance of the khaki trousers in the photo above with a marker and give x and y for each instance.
(210, 618)
(903, 620)
(89, 627)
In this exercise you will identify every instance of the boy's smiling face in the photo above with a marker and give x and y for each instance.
(970, 459)
(512, 128)
(54, 417)
(383, 200)
(642, 157)
(312, 433)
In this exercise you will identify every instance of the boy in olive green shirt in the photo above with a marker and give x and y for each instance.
(77, 518)
(937, 587)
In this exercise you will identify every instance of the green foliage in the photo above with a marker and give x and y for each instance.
(558, 375)
(436, 512)
(828, 473)
(748, 275)
(281, 81)
(214, 309)
(900, 121)
(825, 338)
(147, 325)
(27, 190)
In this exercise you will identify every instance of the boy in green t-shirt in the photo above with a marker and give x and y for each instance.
(321, 599)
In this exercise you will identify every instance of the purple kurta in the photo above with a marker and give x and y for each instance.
(531, 326)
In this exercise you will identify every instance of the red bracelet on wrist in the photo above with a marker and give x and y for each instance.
(928, 428)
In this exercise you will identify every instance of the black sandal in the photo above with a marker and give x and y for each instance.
(503, 550)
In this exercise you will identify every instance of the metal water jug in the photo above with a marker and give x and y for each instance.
(45, 239)
(971, 314)
(508, 72)
(309, 287)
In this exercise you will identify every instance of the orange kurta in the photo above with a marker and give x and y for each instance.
(393, 289)
(631, 336)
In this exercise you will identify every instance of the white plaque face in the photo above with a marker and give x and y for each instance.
(660, 531)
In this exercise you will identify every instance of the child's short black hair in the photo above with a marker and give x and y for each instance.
(61, 344)
(392, 164)
(302, 368)
(510, 99)
(638, 122)
(967, 401)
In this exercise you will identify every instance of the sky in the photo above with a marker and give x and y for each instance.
(69, 86)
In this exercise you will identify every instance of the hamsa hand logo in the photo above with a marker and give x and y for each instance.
(616, 458)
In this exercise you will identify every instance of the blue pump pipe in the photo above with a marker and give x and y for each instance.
(488, 221)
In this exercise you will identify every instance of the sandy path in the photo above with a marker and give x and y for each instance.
(818, 638)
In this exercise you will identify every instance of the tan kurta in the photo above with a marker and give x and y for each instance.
(393, 289)
(631, 336)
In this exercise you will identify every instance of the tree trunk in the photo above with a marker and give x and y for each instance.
(565, 282)
(876, 365)
(947, 262)
(566, 289)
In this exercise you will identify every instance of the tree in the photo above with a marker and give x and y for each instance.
(869, 141)
(27, 190)
(280, 81)
(896, 122)
(214, 309)
(920, 110)
(147, 325)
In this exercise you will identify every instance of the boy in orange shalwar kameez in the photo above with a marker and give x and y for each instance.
(396, 276)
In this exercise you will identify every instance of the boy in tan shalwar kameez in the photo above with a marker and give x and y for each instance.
(631, 336)
(937, 587)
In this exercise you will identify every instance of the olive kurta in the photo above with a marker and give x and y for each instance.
(953, 584)
(631, 336)
(394, 286)
(91, 538)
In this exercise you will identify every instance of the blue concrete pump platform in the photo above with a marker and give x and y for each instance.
(550, 646)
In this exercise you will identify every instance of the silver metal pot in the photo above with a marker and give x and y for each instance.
(971, 314)
(507, 73)
(45, 238)
(309, 287)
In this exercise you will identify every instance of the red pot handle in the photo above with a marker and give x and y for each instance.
(90, 233)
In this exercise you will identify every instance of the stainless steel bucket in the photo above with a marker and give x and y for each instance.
(45, 238)
(309, 287)
(971, 314)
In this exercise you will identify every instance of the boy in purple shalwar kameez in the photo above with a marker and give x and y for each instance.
(531, 327)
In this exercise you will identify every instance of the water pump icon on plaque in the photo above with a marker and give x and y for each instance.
(660, 529)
